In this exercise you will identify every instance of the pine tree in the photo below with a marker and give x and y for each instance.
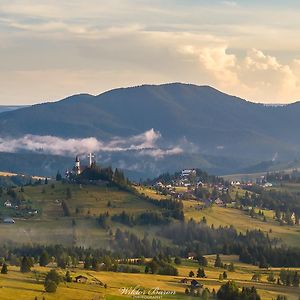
(202, 261)
(58, 176)
(218, 262)
(25, 265)
(296, 280)
(177, 260)
(53, 276)
(68, 277)
(201, 273)
(231, 267)
(50, 286)
(44, 259)
(4, 269)
(205, 294)
(228, 291)
(225, 275)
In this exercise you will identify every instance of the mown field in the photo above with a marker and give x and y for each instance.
(16, 285)
(221, 216)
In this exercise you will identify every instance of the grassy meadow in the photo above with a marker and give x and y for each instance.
(17, 285)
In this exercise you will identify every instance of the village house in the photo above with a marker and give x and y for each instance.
(191, 255)
(200, 184)
(235, 183)
(294, 219)
(184, 281)
(188, 172)
(196, 284)
(7, 203)
(81, 279)
(219, 202)
(159, 184)
(9, 221)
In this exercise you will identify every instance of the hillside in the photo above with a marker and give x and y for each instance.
(50, 225)
(54, 223)
(81, 228)
(219, 132)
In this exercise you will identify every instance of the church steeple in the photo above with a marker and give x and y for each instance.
(77, 166)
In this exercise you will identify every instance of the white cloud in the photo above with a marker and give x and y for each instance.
(256, 59)
(144, 144)
(218, 62)
(266, 73)
(161, 153)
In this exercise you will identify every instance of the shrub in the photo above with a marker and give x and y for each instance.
(50, 286)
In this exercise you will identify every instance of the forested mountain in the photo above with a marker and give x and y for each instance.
(219, 132)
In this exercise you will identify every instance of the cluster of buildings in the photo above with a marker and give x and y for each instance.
(78, 168)
(261, 181)
(185, 185)
(188, 178)
(10, 205)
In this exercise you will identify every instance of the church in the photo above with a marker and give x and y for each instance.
(78, 168)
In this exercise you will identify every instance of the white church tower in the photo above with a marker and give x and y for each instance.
(77, 166)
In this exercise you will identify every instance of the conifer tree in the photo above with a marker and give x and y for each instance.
(218, 262)
(25, 265)
(44, 259)
(4, 269)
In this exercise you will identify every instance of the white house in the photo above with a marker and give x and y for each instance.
(9, 221)
(219, 202)
(7, 203)
(188, 172)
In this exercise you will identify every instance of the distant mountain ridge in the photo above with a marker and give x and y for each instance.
(4, 108)
(214, 123)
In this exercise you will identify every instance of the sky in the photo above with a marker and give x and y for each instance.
(51, 49)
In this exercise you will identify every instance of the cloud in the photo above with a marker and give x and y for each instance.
(266, 74)
(230, 3)
(161, 153)
(257, 74)
(143, 144)
(147, 139)
(256, 59)
(92, 47)
(216, 61)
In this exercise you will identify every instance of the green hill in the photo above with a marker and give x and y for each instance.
(68, 214)
(80, 227)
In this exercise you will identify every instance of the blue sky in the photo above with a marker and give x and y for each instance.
(54, 48)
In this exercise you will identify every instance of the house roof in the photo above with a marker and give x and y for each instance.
(80, 276)
(194, 282)
(9, 220)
